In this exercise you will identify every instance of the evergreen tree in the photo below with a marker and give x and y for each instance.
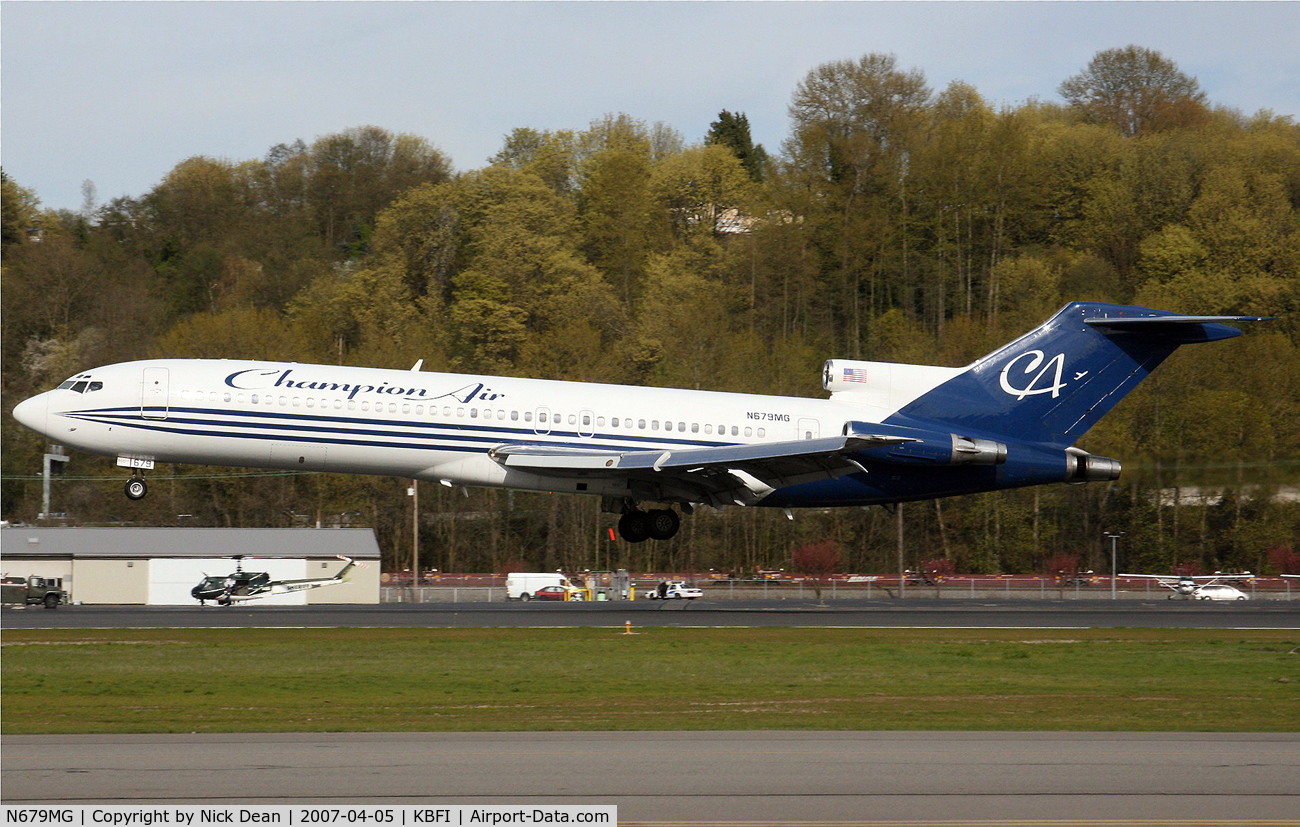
(732, 131)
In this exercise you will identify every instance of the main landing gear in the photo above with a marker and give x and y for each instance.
(637, 526)
(136, 488)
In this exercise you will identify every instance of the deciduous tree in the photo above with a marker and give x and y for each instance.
(1136, 90)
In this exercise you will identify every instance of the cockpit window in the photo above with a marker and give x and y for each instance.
(81, 384)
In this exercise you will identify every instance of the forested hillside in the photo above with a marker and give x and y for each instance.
(896, 222)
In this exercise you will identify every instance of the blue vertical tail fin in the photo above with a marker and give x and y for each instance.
(1052, 384)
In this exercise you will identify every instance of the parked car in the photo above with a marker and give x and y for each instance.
(675, 589)
(1219, 591)
(557, 593)
(522, 585)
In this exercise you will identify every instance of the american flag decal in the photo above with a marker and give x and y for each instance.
(855, 374)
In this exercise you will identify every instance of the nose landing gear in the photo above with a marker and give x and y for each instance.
(136, 488)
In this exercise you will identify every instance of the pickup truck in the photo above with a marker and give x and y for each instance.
(39, 591)
(674, 589)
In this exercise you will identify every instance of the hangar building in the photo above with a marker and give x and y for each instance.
(159, 566)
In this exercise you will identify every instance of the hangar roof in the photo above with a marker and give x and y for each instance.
(137, 543)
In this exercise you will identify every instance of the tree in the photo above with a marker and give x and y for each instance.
(1136, 90)
(956, 161)
(893, 227)
(1285, 559)
(548, 155)
(1063, 566)
(200, 202)
(938, 570)
(523, 275)
(847, 116)
(241, 333)
(732, 131)
(423, 234)
(819, 561)
(697, 187)
(854, 125)
(356, 173)
(616, 204)
(21, 211)
(50, 288)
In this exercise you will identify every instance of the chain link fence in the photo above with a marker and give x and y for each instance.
(979, 587)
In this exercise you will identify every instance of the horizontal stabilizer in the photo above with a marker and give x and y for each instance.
(1126, 321)
(1181, 329)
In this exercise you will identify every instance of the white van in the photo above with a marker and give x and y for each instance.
(521, 585)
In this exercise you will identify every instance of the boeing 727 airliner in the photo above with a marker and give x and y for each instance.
(888, 433)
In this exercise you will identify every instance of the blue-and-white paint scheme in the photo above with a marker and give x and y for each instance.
(888, 433)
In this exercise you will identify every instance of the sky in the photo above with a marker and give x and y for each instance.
(118, 93)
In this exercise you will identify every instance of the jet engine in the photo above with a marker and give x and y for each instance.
(1081, 466)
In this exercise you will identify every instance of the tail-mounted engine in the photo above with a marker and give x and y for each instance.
(1081, 466)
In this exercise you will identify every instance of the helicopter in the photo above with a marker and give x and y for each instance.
(242, 585)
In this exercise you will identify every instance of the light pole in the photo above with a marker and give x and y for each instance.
(1114, 538)
(414, 493)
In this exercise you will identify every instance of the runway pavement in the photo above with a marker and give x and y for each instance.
(696, 778)
(766, 779)
(1263, 614)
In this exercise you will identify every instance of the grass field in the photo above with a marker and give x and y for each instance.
(251, 680)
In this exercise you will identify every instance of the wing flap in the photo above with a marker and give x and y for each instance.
(742, 474)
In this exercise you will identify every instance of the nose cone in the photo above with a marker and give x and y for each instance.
(32, 412)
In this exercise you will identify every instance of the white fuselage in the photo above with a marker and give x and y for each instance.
(422, 425)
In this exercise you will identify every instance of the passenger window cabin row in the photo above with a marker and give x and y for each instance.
(540, 421)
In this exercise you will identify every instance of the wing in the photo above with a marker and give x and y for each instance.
(1210, 579)
(1162, 579)
(739, 474)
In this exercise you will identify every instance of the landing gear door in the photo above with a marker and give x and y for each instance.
(154, 393)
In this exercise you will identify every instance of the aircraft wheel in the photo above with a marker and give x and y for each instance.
(136, 488)
(634, 526)
(664, 523)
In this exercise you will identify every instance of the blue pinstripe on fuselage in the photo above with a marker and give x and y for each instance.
(345, 430)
